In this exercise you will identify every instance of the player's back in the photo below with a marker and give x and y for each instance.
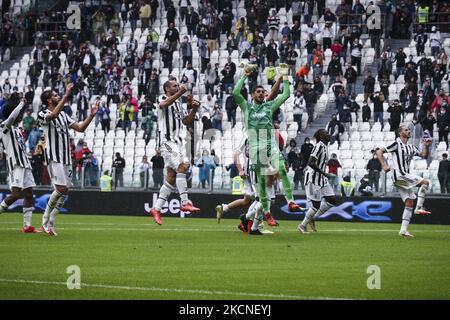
(14, 147)
(320, 153)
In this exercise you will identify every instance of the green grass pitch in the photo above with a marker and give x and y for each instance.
(133, 258)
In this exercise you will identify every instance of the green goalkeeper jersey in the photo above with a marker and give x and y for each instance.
(258, 119)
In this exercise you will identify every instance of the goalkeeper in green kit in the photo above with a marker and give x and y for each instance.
(264, 152)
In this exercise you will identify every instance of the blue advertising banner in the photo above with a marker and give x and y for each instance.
(138, 203)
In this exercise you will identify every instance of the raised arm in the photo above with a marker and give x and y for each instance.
(275, 89)
(14, 114)
(81, 126)
(53, 114)
(168, 102)
(284, 70)
(240, 100)
(193, 105)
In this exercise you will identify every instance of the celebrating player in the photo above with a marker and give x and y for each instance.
(317, 186)
(402, 153)
(263, 149)
(172, 119)
(56, 124)
(21, 181)
(244, 170)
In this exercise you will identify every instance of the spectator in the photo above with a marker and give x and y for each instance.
(233, 170)
(377, 98)
(334, 128)
(365, 189)
(444, 174)
(33, 136)
(231, 107)
(272, 52)
(147, 126)
(144, 172)
(191, 76)
(369, 85)
(435, 42)
(217, 118)
(90, 164)
(157, 169)
(374, 168)
(306, 149)
(396, 113)
(334, 69)
(186, 51)
(443, 123)
(298, 109)
(192, 20)
(333, 167)
(274, 22)
(356, 54)
(350, 75)
(347, 187)
(104, 117)
(119, 165)
(145, 14)
(126, 112)
(205, 163)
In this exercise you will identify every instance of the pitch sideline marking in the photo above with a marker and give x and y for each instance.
(207, 292)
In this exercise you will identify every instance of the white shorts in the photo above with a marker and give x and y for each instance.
(60, 174)
(316, 193)
(405, 185)
(174, 154)
(21, 178)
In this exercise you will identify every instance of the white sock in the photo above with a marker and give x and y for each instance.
(407, 213)
(59, 204)
(50, 205)
(324, 207)
(3, 206)
(252, 210)
(309, 216)
(27, 214)
(182, 187)
(225, 208)
(257, 220)
(164, 193)
(421, 195)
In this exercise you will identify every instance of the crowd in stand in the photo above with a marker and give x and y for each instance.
(102, 26)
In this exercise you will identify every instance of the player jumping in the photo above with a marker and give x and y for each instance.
(317, 186)
(402, 153)
(263, 148)
(21, 179)
(171, 135)
(56, 124)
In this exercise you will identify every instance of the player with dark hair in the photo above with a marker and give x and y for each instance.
(21, 179)
(171, 139)
(263, 148)
(402, 153)
(319, 193)
(56, 124)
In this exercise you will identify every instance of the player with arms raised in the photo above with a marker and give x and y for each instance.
(56, 124)
(263, 148)
(21, 179)
(402, 153)
(171, 135)
(317, 187)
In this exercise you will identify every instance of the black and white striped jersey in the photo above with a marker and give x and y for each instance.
(402, 153)
(57, 144)
(14, 147)
(320, 152)
(170, 125)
